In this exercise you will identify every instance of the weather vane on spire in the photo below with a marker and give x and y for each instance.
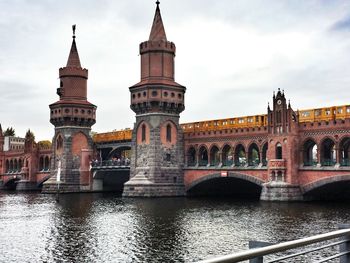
(73, 27)
(157, 3)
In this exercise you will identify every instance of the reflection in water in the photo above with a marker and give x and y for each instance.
(106, 228)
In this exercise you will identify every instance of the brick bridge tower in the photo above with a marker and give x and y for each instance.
(282, 153)
(72, 117)
(157, 100)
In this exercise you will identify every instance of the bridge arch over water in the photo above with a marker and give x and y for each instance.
(330, 188)
(226, 184)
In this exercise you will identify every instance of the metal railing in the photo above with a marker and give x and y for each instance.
(110, 163)
(255, 255)
(345, 162)
(328, 162)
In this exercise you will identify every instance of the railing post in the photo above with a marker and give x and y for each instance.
(256, 244)
(344, 247)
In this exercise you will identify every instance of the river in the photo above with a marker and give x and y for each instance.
(108, 228)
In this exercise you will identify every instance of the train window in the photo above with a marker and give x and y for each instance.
(328, 111)
(305, 114)
(317, 112)
(347, 109)
(340, 110)
(240, 120)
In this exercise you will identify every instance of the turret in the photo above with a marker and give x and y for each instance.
(73, 107)
(157, 91)
(282, 118)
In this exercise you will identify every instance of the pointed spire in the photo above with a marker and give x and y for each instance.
(157, 31)
(73, 59)
(1, 134)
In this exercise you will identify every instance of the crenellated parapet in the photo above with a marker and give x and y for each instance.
(73, 72)
(160, 45)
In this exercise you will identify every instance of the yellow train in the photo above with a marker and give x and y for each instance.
(123, 135)
(325, 114)
(231, 123)
(310, 115)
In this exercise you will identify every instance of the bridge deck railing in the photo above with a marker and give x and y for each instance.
(256, 255)
(110, 163)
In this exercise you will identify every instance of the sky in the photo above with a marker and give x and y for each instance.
(231, 55)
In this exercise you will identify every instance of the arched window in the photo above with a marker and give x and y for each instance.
(168, 133)
(310, 153)
(264, 154)
(278, 151)
(7, 166)
(203, 156)
(240, 156)
(227, 155)
(59, 142)
(328, 152)
(41, 163)
(143, 133)
(191, 157)
(46, 163)
(253, 155)
(214, 156)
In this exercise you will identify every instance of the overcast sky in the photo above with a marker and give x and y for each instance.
(231, 55)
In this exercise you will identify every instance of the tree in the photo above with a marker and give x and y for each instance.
(10, 132)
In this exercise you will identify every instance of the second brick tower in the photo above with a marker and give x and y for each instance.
(157, 100)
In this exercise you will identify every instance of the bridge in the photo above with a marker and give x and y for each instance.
(111, 167)
(239, 156)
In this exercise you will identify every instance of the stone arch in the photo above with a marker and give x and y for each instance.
(143, 133)
(344, 151)
(203, 157)
(253, 154)
(41, 163)
(11, 166)
(327, 148)
(20, 163)
(227, 155)
(214, 155)
(7, 166)
(264, 153)
(119, 156)
(15, 165)
(233, 179)
(191, 156)
(47, 163)
(240, 155)
(310, 149)
(334, 187)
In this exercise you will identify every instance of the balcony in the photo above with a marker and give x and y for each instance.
(277, 164)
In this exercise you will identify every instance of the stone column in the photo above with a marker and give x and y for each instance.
(318, 154)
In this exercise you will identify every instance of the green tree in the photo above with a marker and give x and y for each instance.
(10, 132)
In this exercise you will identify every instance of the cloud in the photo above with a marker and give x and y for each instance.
(231, 55)
(342, 25)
